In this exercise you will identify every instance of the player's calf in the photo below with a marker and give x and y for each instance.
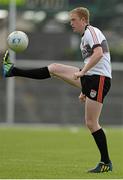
(9, 70)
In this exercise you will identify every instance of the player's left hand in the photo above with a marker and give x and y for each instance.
(82, 97)
(78, 75)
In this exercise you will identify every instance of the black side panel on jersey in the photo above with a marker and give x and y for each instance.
(104, 46)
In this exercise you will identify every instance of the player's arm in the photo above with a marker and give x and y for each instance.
(94, 59)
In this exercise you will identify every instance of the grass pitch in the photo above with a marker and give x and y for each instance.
(55, 153)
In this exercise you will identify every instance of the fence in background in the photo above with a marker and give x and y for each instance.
(54, 101)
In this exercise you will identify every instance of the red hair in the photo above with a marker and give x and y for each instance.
(81, 12)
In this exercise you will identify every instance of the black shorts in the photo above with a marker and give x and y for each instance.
(95, 87)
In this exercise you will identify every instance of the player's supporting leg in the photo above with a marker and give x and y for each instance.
(92, 114)
(61, 71)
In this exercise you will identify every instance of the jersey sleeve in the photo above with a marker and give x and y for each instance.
(93, 37)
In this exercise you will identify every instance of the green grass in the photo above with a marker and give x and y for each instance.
(55, 153)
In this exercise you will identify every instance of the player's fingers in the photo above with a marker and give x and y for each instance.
(82, 97)
(75, 76)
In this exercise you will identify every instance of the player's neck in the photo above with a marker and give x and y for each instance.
(83, 31)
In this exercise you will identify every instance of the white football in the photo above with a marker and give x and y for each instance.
(18, 41)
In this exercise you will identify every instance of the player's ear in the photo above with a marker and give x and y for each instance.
(82, 19)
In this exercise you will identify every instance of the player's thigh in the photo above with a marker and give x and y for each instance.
(92, 110)
(65, 72)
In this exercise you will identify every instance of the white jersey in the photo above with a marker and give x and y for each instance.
(91, 39)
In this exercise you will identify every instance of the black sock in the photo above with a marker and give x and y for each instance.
(39, 73)
(101, 142)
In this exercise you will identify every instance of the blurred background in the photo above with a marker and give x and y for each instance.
(51, 40)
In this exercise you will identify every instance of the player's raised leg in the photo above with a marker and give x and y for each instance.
(61, 71)
(8, 69)
(65, 73)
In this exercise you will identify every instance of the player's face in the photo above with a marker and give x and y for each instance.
(76, 23)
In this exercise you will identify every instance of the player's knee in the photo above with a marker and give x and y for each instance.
(90, 124)
(53, 68)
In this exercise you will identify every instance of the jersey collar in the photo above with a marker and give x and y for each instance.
(85, 29)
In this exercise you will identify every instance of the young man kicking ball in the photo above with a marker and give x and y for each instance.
(94, 78)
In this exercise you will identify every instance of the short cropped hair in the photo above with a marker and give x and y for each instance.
(81, 12)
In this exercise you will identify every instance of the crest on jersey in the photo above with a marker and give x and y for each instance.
(93, 93)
